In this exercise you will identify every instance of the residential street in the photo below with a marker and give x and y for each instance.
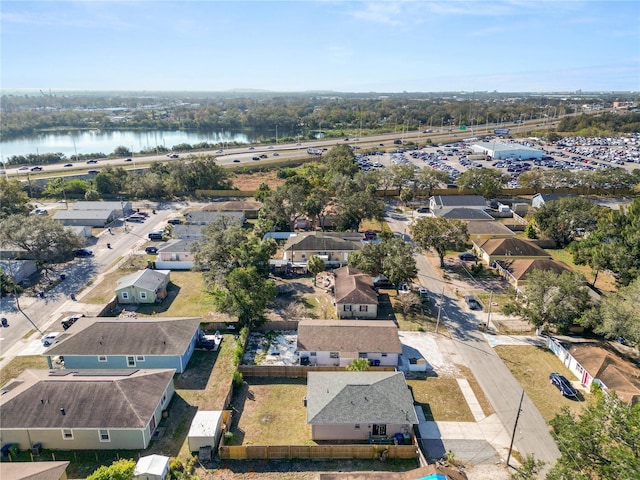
(500, 387)
(46, 312)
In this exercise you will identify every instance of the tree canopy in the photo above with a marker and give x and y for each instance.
(487, 182)
(40, 236)
(601, 443)
(440, 234)
(13, 200)
(566, 219)
(392, 258)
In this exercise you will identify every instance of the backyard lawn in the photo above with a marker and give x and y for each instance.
(531, 366)
(270, 411)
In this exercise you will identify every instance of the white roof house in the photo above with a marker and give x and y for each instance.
(205, 430)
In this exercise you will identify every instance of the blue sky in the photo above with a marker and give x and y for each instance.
(519, 45)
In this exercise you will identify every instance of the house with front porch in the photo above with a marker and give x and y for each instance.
(340, 342)
(333, 249)
(516, 271)
(359, 406)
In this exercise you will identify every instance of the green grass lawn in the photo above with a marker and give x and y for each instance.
(441, 399)
(187, 298)
(531, 366)
(606, 282)
(19, 364)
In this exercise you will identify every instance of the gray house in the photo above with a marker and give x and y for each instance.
(359, 405)
(91, 218)
(144, 286)
(451, 201)
(340, 342)
(206, 217)
(175, 255)
(87, 410)
(111, 343)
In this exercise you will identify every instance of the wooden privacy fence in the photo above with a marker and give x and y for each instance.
(279, 452)
(295, 371)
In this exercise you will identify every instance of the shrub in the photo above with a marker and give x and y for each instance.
(237, 378)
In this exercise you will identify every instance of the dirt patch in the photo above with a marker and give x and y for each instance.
(251, 181)
(299, 298)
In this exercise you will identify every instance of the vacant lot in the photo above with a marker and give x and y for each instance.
(531, 366)
(299, 298)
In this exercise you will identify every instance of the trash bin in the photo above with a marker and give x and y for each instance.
(63, 276)
(36, 449)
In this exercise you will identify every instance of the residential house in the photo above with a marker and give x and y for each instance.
(462, 213)
(120, 209)
(91, 218)
(516, 271)
(144, 286)
(84, 410)
(340, 342)
(207, 217)
(151, 467)
(33, 470)
(187, 232)
(113, 343)
(248, 208)
(481, 230)
(359, 405)
(476, 202)
(83, 231)
(175, 255)
(354, 293)
(18, 270)
(592, 362)
(333, 249)
(494, 249)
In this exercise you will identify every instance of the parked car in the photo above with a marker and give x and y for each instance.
(49, 338)
(564, 385)
(382, 282)
(136, 218)
(472, 302)
(70, 320)
(422, 210)
(157, 235)
(370, 235)
(5, 322)
(83, 252)
(467, 256)
(151, 250)
(174, 221)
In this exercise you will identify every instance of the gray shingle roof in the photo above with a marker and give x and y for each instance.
(462, 213)
(112, 336)
(358, 397)
(116, 400)
(354, 287)
(317, 241)
(361, 336)
(460, 201)
(176, 246)
(515, 247)
(146, 279)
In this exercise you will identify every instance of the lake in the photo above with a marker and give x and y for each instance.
(106, 141)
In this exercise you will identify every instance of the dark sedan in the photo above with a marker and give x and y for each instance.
(563, 385)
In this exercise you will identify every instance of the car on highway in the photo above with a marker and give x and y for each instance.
(128, 160)
(49, 338)
(68, 164)
(93, 172)
(24, 168)
(151, 250)
(36, 169)
(235, 160)
(263, 156)
(92, 161)
(276, 154)
(251, 148)
(70, 320)
(83, 252)
(218, 151)
(467, 256)
(255, 158)
(564, 385)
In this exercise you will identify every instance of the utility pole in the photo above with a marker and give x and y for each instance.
(489, 312)
(515, 425)
(439, 309)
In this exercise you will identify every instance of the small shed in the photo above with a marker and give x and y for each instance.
(152, 467)
(205, 430)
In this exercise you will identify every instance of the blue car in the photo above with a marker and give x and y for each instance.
(563, 385)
